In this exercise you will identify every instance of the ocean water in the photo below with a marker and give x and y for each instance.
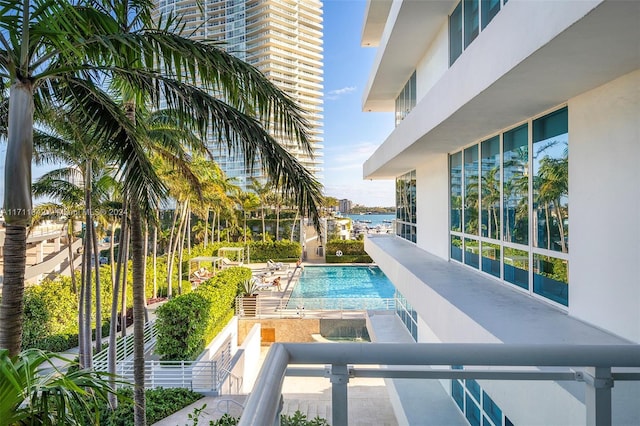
(376, 219)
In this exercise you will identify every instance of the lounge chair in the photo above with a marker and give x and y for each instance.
(276, 266)
(226, 263)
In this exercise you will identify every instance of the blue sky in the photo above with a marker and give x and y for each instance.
(350, 135)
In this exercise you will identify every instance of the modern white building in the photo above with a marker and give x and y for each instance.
(515, 156)
(283, 39)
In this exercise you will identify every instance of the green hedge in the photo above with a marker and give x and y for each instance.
(279, 251)
(352, 252)
(160, 403)
(54, 326)
(186, 324)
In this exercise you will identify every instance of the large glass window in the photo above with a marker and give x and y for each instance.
(406, 100)
(471, 252)
(467, 20)
(455, 34)
(551, 181)
(471, 190)
(516, 267)
(551, 278)
(509, 206)
(455, 185)
(406, 206)
(489, 9)
(516, 185)
(471, 21)
(490, 183)
(491, 259)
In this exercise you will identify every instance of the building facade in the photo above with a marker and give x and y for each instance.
(281, 38)
(514, 154)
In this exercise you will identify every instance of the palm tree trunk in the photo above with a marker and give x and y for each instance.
(12, 307)
(546, 215)
(72, 268)
(144, 270)
(188, 231)
(138, 316)
(264, 229)
(155, 256)
(81, 314)
(96, 256)
(113, 401)
(563, 241)
(88, 243)
(17, 205)
(170, 250)
(111, 252)
(206, 227)
(125, 273)
(293, 225)
(277, 222)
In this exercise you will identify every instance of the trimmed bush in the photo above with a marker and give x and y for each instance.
(187, 323)
(160, 403)
(352, 252)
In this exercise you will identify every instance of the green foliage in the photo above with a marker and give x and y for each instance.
(297, 419)
(54, 326)
(279, 251)
(225, 420)
(187, 323)
(352, 252)
(34, 392)
(160, 403)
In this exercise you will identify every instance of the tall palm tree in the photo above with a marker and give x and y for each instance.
(262, 191)
(62, 53)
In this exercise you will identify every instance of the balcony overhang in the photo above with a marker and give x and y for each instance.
(409, 29)
(498, 82)
(375, 17)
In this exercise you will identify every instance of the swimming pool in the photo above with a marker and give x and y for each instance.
(342, 287)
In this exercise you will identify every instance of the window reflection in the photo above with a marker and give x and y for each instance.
(516, 185)
(551, 278)
(455, 183)
(406, 206)
(456, 248)
(490, 183)
(471, 190)
(516, 267)
(471, 252)
(551, 182)
(491, 259)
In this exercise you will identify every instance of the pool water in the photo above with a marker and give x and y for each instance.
(341, 287)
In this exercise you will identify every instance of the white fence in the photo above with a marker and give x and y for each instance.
(267, 307)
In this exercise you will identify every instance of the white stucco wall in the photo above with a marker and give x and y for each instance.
(434, 63)
(604, 206)
(432, 189)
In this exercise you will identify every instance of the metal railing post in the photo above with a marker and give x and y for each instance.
(598, 382)
(339, 377)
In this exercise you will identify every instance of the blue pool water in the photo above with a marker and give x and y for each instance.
(341, 287)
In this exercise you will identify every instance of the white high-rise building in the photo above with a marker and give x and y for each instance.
(515, 156)
(283, 39)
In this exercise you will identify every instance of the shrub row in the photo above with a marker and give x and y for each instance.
(258, 251)
(352, 252)
(160, 403)
(187, 323)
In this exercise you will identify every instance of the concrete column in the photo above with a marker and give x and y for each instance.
(40, 252)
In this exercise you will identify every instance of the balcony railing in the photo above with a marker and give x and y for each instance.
(591, 364)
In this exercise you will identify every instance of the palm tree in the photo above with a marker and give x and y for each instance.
(34, 391)
(262, 191)
(61, 57)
